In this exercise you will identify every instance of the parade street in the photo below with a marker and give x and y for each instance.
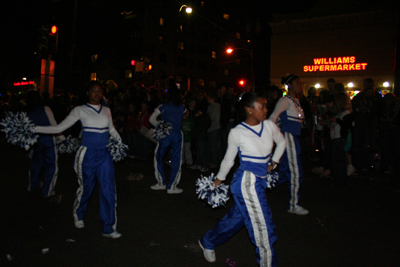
(352, 225)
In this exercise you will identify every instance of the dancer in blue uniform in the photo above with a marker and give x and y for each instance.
(291, 116)
(44, 151)
(171, 112)
(93, 160)
(254, 140)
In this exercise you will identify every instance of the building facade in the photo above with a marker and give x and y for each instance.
(348, 48)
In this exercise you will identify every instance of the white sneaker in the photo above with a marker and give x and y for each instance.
(175, 191)
(208, 253)
(113, 235)
(158, 187)
(350, 170)
(79, 224)
(298, 210)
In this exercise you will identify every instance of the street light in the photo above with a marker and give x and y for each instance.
(230, 50)
(188, 10)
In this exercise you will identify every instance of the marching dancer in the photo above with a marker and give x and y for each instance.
(291, 116)
(93, 160)
(171, 112)
(254, 140)
(44, 151)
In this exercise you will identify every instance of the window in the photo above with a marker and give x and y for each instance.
(161, 39)
(201, 81)
(94, 58)
(226, 72)
(180, 45)
(238, 35)
(213, 54)
(226, 16)
(161, 21)
(93, 76)
(128, 73)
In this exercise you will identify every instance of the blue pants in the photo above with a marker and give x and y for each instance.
(91, 164)
(251, 210)
(44, 155)
(174, 142)
(291, 168)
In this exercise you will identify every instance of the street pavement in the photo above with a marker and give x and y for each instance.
(352, 225)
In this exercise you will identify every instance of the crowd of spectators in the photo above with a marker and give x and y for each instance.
(373, 137)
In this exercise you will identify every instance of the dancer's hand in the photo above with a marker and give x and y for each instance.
(217, 182)
(272, 166)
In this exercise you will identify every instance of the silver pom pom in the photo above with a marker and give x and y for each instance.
(162, 129)
(68, 145)
(214, 196)
(117, 149)
(19, 129)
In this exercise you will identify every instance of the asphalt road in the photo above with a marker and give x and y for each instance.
(352, 225)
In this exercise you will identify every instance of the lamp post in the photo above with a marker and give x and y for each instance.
(230, 50)
(188, 10)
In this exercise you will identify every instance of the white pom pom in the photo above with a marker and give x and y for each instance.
(214, 196)
(117, 149)
(272, 178)
(162, 129)
(19, 129)
(68, 145)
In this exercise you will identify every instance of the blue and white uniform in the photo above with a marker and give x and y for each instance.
(44, 153)
(254, 145)
(291, 117)
(92, 161)
(174, 141)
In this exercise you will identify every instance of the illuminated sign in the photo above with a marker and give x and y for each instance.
(23, 83)
(335, 64)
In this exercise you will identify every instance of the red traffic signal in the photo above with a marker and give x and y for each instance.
(133, 62)
(241, 82)
(53, 30)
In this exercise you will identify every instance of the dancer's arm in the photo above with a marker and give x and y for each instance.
(229, 158)
(70, 120)
(280, 107)
(111, 129)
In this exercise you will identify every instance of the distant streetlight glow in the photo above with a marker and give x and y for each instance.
(317, 85)
(229, 50)
(386, 84)
(24, 79)
(350, 85)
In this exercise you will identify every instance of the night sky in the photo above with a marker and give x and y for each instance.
(22, 19)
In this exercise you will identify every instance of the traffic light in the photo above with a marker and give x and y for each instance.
(48, 40)
(53, 30)
(242, 82)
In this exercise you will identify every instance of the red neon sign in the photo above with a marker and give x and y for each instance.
(23, 83)
(335, 64)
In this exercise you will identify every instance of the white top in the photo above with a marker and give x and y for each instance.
(94, 118)
(255, 141)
